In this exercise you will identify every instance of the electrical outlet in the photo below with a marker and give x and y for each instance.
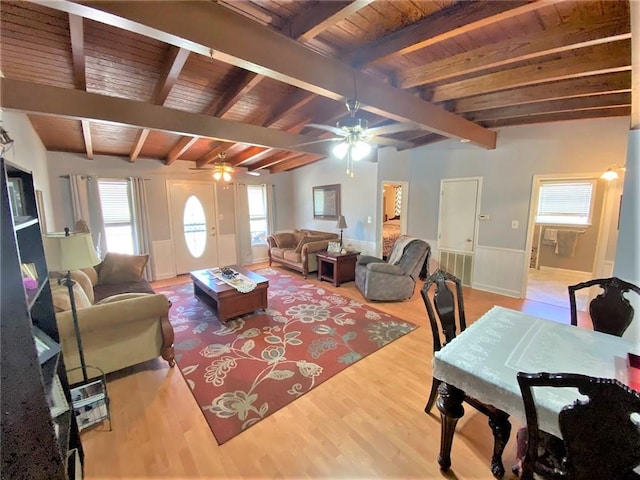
(515, 224)
(369, 220)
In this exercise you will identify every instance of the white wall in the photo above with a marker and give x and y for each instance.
(29, 153)
(62, 164)
(358, 198)
(627, 266)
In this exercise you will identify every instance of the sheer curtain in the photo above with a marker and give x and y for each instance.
(85, 205)
(245, 253)
(141, 235)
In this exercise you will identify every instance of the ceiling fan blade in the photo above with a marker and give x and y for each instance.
(332, 139)
(328, 128)
(393, 128)
(390, 142)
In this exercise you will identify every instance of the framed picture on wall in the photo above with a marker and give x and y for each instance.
(326, 202)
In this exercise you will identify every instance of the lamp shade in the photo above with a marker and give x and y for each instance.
(70, 252)
(342, 223)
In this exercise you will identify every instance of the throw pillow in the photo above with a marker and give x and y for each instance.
(304, 240)
(85, 282)
(122, 268)
(92, 273)
(61, 300)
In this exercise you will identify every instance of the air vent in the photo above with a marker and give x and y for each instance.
(458, 264)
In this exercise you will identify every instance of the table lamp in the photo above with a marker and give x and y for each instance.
(65, 252)
(342, 224)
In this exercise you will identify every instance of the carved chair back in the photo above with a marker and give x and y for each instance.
(446, 314)
(600, 438)
(610, 311)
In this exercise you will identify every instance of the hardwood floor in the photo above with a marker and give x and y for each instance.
(366, 422)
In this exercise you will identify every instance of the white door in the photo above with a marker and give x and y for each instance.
(193, 225)
(459, 202)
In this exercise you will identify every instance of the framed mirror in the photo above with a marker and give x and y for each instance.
(326, 202)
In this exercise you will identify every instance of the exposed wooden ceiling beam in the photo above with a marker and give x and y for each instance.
(426, 140)
(213, 154)
(292, 161)
(613, 100)
(141, 137)
(207, 28)
(312, 21)
(171, 69)
(293, 102)
(86, 134)
(179, 148)
(606, 83)
(579, 33)
(242, 84)
(448, 23)
(246, 156)
(607, 58)
(272, 160)
(554, 117)
(76, 34)
(48, 100)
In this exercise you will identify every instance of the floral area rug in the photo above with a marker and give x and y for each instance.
(246, 369)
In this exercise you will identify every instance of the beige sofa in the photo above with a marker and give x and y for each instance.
(118, 331)
(297, 249)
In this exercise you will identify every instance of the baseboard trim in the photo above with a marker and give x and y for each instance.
(499, 291)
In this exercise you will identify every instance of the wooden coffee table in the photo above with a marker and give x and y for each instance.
(229, 302)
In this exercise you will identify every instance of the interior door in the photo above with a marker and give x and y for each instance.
(193, 225)
(458, 214)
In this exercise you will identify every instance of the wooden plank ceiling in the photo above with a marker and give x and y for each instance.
(185, 81)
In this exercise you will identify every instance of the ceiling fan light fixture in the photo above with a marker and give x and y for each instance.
(217, 175)
(340, 149)
(360, 150)
(226, 177)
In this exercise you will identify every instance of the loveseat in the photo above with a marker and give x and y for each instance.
(122, 320)
(297, 249)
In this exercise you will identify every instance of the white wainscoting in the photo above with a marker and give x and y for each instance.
(499, 270)
(163, 263)
(607, 269)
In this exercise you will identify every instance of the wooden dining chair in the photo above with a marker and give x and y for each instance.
(610, 311)
(446, 317)
(600, 437)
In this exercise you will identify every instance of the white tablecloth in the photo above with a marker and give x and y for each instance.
(484, 359)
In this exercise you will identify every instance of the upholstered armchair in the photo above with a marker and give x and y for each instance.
(394, 279)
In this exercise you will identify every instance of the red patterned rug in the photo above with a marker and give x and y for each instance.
(245, 370)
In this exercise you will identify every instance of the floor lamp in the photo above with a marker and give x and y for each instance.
(66, 252)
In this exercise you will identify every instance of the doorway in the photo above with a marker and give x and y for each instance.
(395, 197)
(193, 227)
(551, 269)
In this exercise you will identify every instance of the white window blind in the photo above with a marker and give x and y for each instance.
(115, 200)
(257, 197)
(568, 203)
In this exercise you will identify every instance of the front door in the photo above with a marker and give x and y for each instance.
(193, 225)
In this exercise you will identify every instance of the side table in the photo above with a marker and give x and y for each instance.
(337, 268)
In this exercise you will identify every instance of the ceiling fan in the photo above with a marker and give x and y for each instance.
(356, 138)
(222, 170)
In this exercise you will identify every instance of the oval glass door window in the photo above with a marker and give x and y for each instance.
(195, 226)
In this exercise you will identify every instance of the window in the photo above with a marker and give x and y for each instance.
(566, 202)
(195, 226)
(258, 213)
(115, 200)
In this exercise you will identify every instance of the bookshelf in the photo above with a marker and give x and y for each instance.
(40, 437)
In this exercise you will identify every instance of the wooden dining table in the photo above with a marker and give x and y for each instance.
(483, 361)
